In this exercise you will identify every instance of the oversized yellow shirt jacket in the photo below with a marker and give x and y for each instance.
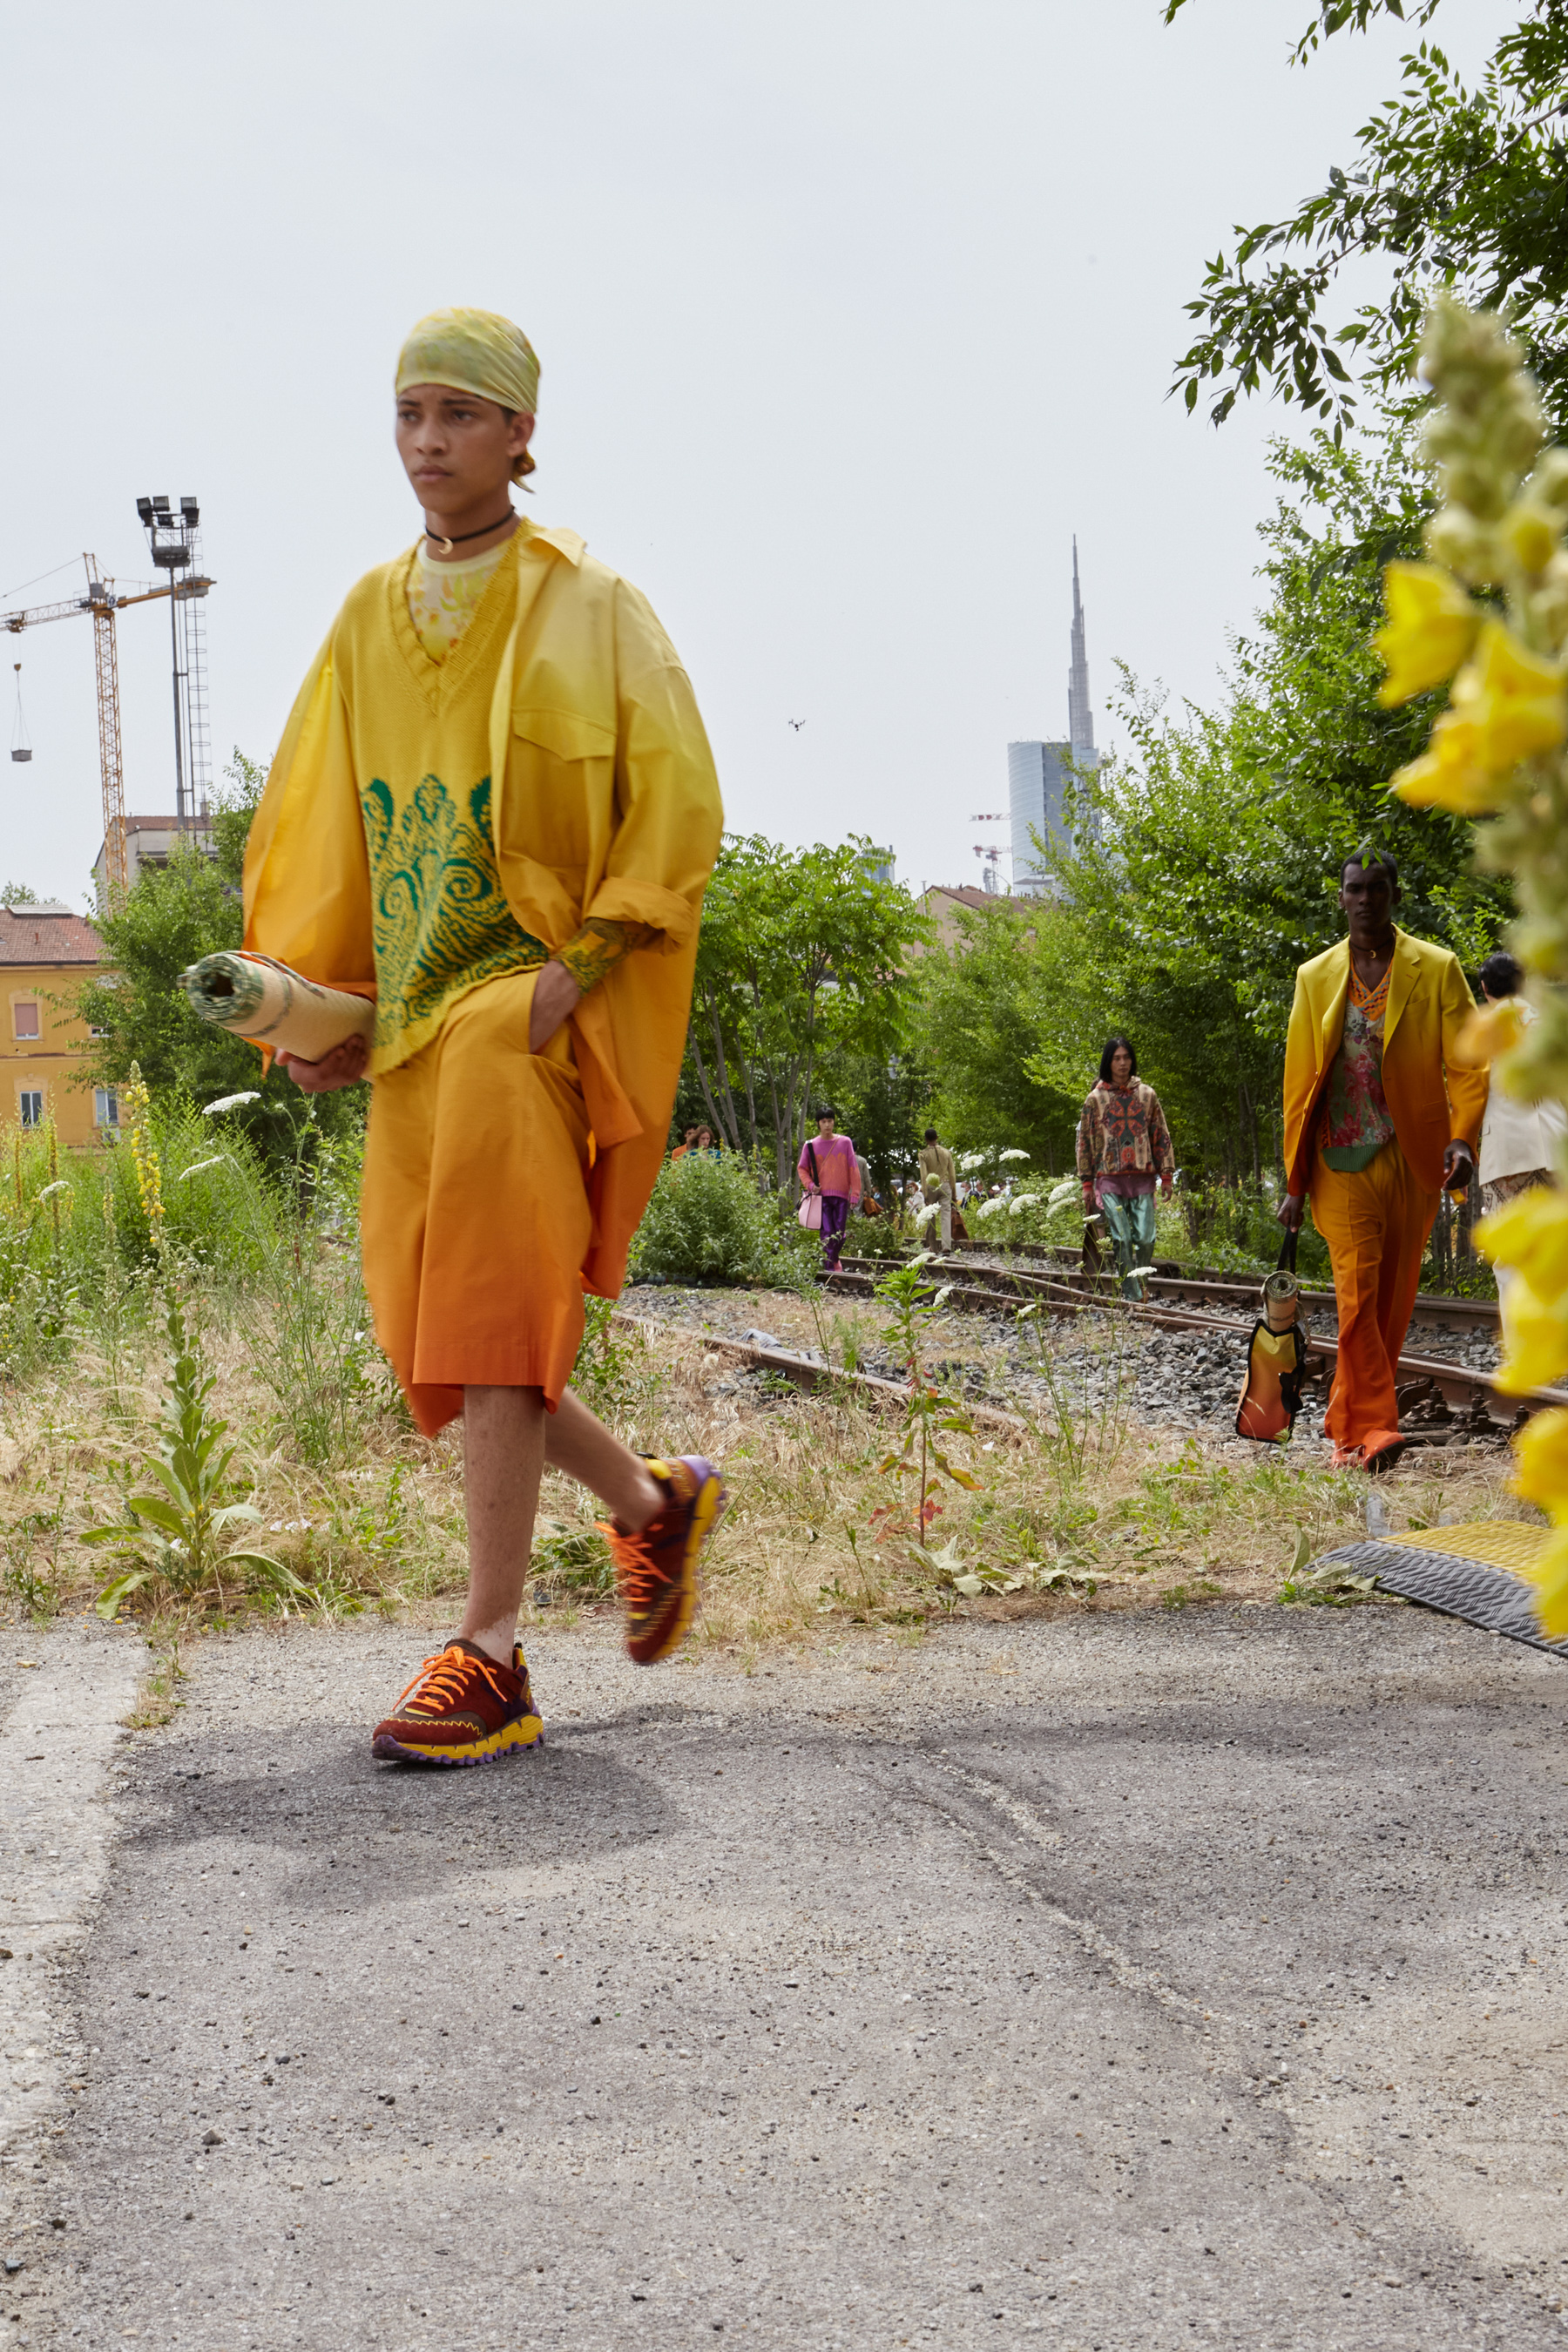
(1432, 1094)
(604, 803)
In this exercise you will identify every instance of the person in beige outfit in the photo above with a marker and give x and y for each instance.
(939, 1181)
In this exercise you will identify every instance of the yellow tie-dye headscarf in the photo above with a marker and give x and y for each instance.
(478, 351)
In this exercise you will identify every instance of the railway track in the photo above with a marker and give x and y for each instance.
(1231, 1291)
(1433, 1391)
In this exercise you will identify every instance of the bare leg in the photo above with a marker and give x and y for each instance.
(503, 1461)
(579, 1443)
(506, 1438)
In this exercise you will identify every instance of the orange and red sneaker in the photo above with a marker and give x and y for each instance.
(462, 1708)
(657, 1568)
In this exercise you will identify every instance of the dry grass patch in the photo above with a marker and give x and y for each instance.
(1088, 1509)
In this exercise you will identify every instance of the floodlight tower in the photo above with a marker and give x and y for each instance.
(176, 543)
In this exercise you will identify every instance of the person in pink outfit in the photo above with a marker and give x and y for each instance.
(828, 1166)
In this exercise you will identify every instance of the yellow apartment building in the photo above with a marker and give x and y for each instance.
(46, 953)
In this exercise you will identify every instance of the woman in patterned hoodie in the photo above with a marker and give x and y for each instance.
(1123, 1146)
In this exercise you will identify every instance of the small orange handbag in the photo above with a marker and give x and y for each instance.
(1276, 1357)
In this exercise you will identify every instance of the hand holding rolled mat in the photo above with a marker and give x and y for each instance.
(256, 998)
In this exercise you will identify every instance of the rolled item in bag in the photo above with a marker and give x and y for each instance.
(1281, 1291)
(255, 998)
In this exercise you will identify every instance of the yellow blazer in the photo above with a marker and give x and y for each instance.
(1433, 1097)
(606, 804)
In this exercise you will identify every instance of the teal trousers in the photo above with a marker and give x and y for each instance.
(1131, 1224)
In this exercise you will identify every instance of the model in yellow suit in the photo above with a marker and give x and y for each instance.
(494, 809)
(1381, 1115)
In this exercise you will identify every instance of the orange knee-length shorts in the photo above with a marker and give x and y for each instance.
(474, 1210)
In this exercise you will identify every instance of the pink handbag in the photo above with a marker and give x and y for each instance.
(810, 1210)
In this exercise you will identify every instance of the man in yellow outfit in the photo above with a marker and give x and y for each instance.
(1381, 1115)
(494, 809)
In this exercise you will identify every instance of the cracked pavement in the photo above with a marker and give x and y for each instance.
(1110, 1981)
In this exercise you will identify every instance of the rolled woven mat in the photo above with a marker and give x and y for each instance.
(266, 1002)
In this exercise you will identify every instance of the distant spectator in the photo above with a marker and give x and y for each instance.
(940, 1179)
(1519, 1139)
(682, 1149)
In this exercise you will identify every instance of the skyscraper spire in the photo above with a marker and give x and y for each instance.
(1080, 711)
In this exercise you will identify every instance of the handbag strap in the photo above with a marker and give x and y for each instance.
(811, 1155)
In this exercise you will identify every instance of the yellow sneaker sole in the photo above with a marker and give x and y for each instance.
(527, 1731)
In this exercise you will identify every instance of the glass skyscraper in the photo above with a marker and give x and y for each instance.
(1040, 775)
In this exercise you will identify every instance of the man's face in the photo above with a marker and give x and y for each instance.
(825, 1125)
(457, 450)
(1120, 1067)
(1369, 899)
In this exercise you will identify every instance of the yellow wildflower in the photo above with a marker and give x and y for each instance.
(1535, 1333)
(1490, 1032)
(136, 1104)
(1449, 775)
(1513, 697)
(1430, 628)
(1530, 1233)
(1541, 1450)
(1533, 533)
(1550, 1578)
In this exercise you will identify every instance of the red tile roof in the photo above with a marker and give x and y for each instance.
(31, 937)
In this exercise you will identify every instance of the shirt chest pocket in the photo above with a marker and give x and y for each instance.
(559, 790)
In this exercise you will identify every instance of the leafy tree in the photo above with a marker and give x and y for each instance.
(171, 916)
(1455, 186)
(800, 975)
(16, 894)
(987, 1007)
(881, 1102)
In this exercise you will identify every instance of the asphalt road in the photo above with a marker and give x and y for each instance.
(1132, 1981)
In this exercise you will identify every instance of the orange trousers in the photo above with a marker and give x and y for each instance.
(474, 1211)
(1375, 1221)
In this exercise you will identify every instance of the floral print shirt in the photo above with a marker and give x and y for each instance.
(1123, 1142)
(1355, 1120)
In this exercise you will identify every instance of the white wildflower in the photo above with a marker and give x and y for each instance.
(59, 1185)
(229, 1102)
(198, 1167)
(1022, 1200)
(923, 1217)
(1012, 1155)
(969, 1162)
(1062, 1194)
(991, 1208)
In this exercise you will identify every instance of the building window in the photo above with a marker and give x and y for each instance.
(25, 1020)
(105, 1107)
(31, 1099)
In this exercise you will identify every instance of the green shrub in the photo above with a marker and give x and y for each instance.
(873, 1237)
(706, 1222)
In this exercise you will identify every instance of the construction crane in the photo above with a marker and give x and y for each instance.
(990, 851)
(102, 603)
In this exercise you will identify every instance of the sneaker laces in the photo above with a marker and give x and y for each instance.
(442, 1678)
(638, 1572)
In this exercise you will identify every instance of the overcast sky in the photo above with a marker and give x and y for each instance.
(849, 314)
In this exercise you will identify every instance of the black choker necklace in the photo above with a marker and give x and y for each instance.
(436, 539)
